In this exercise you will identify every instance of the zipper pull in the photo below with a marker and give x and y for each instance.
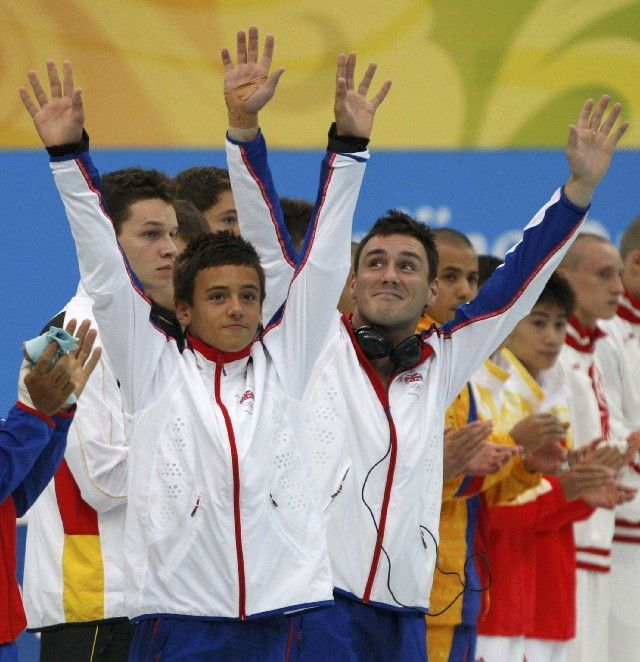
(196, 506)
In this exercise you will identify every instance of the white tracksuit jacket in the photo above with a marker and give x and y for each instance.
(376, 452)
(221, 522)
(74, 554)
(619, 360)
(589, 421)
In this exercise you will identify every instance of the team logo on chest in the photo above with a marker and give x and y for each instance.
(246, 401)
(413, 382)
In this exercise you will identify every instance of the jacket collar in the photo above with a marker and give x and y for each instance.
(581, 337)
(629, 308)
(217, 355)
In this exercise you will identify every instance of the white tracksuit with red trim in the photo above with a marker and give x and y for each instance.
(619, 359)
(589, 421)
(220, 521)
(376, 452)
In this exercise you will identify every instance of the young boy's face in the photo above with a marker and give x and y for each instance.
(538, 338)
(226, 308)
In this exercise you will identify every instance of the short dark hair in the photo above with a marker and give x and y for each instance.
(397, 222)
(191, 222)
(297, 215)
(452, 237)
(122, 188)
(487, 264)
(558, 292)
(214, 249)
(202, 185)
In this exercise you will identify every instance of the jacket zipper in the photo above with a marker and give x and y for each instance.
(236, 492)
(393, 440)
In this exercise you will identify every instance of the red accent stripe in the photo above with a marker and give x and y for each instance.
(78, 518)
(591, 566)
(267, 200)
(383, 397)
(381, 392)
(36, 412)
(631, 539)
(66, 413)
(236, 495)
(598, 551)
(625, 523)
(322, 200)
(287, 654)
(314, 221)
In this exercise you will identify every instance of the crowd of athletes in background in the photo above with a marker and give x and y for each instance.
(539, 548)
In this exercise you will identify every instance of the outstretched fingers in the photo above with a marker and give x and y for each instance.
(596, 118)
(382, 93)
(363, 88)
(27, 102)
(350, 70)
(241, 46)
(267, 54)
(67, 79)
(252, 50)
(38, 91)
(54, 80)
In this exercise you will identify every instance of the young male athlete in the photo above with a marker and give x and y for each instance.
(223, 535)
(593, 268)
(375, 404)
(618, 354)
(32, 443)
(74, 563)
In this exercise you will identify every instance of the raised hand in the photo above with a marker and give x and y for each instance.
(58, 120)
(590, 148)
(353, 112)
(80, 363)
(248, 85)
(50, 386)
(460, 446)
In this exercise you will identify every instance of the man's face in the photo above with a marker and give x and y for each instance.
(538, 338)
(222, 215)
(596, 282)
(226, 308)
(392, 285)
(146, 238)
(457, 280)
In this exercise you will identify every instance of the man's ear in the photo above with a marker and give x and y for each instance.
(432, 293)
(183, 313)
(352, 284)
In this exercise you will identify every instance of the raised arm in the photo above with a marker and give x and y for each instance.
(248, 87)
(515, 286)
(120, 306)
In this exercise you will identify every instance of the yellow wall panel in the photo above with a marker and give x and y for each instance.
(490, 73)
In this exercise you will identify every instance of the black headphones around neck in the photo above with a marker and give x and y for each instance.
(376, 344)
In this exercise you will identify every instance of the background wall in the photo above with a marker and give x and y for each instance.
(471, 135)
